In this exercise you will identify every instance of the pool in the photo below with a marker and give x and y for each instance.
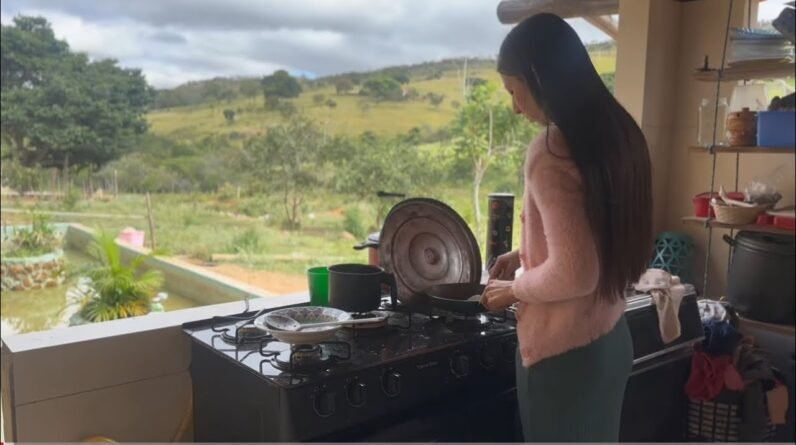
(43, 309)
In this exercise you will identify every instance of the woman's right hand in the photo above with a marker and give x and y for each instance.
(505, 266)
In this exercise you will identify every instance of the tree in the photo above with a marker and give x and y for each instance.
(249, 89)
(318, 99)
(436, 99)
(330, 103)
(61, 110)
(229, 116)
(289, 159)
(373, 163)
(474, 82)
(401, 78)
(487, 131)
(385, 88)
(343, 86)
(280, 85)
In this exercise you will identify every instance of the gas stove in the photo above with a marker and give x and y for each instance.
(400, 380)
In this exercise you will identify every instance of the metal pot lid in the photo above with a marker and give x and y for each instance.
(424, 243)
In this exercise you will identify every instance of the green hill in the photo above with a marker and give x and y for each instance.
(353, 114)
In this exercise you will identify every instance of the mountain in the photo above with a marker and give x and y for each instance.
(197, 109)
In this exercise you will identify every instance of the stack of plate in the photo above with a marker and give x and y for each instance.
(748, 45)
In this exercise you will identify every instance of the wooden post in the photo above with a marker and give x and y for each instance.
(152, 243)
(115, 183)
(238, 194)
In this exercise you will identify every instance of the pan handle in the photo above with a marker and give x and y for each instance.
(728, 239)
(365, 244)
(389, 279)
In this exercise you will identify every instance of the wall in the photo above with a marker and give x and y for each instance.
(127, 380)
(659, 46)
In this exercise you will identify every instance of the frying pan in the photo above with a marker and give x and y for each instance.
(454, 297)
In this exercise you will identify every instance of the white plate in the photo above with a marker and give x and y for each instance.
(305, 314)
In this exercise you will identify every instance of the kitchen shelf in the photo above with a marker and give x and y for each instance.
(755, 150)
(751, 70)
(750, 227)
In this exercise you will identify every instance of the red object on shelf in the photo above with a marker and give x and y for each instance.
(765, 220)
(785, 222)
(702, 208)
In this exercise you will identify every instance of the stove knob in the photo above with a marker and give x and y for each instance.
(324, 402)
(391, 383)
(356, 392)
(460, 365)
(489, 356)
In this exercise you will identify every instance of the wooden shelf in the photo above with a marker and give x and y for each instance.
(751, 70)
(755, 150)
(705, 222)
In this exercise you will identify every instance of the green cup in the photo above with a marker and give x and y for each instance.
(319, 285)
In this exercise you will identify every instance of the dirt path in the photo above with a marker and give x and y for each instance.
(276, 283)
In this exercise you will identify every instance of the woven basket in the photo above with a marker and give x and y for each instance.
(737, 215)
(721, 420)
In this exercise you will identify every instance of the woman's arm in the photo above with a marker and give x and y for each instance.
(572, 268)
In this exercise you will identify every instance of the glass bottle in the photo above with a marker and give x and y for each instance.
(707, 118)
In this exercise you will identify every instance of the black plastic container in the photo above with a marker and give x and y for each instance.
(760, 284)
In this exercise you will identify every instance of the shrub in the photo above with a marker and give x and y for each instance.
(38, 239)
(353, 222)
(247, 242)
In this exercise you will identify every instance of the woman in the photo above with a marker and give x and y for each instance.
(586, 235)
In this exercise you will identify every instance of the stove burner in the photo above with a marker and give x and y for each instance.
(244, 335)
(464, 323)
(301, 357)
(309, 357)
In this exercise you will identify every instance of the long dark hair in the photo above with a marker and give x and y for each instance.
(605, 143)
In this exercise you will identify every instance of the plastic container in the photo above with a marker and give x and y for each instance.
(760, 283)
(707, 118)
(764, 219)
(674, 253)
(131, 236)
(784, 219)
(702, 207)
(776, 129)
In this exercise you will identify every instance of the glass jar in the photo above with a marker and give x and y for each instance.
(708, 118)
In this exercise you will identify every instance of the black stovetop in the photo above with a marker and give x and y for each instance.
(406, 335)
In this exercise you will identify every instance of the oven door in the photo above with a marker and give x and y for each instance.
(471, 416)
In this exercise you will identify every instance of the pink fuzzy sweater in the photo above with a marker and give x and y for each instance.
(558, 308)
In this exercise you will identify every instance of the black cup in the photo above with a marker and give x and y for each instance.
(357, 287)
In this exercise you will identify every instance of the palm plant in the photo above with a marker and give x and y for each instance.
(116, 290)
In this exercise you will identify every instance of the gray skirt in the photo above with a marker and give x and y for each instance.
(577, 396)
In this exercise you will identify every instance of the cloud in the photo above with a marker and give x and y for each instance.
(176, 41)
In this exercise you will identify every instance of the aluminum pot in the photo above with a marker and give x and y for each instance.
(358, 287)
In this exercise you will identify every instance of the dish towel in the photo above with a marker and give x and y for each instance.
(667, 293)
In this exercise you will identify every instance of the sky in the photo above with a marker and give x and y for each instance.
(176, 41)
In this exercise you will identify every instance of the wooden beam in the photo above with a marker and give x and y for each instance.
(606, 24)
(514, 11)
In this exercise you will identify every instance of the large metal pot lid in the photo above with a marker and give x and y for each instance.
(424, 243)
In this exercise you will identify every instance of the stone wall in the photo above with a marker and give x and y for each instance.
(21, 274)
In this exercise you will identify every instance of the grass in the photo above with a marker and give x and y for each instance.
(346, 118)
(201, 225)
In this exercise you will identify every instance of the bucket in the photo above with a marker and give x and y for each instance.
(131, 236)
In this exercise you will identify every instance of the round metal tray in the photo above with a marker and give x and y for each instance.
(424, 243)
